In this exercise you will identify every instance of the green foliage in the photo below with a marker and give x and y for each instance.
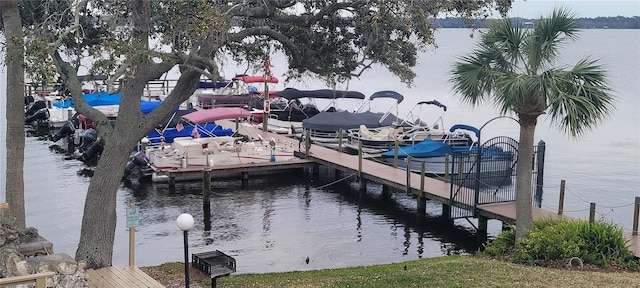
(557, 240)
(504, 244)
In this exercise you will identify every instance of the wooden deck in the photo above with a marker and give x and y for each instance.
(434, 189)
(121, 277)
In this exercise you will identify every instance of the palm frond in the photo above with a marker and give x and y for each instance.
(580, 98)
(548, 36)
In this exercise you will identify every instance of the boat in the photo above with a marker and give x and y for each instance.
(288, 120)
(190, 153)
(178, 126)
(325, 127)
(235, 93)
(409, 130)
(442, 159)
(200, 152)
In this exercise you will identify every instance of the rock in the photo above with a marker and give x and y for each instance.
(23, 268)
(67, 267)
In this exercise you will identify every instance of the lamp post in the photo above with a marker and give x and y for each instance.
(185, 223)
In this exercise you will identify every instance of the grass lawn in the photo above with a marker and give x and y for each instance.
(447, 271)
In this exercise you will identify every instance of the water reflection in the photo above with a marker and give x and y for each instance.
(275, 223)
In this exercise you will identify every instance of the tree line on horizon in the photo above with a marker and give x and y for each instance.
(617, 22)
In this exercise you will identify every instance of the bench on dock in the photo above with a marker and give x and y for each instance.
(38, 278)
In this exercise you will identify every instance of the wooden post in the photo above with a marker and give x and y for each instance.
(447, 164)
(446, 211)
(408, 176)
(245, 180)
(636, 215)
(421, 206)
(172, 181)
(359, 159)
(307, 143)
(340, 140)
(561, 201)
(266, 109)
(592, 212)
(540, 152)
(206, 198)
(132, 240)
(481, 233)
(386, 194)
(395, 153)
(422, 174)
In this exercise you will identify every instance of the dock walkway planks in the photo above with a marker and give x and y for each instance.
(121, 277)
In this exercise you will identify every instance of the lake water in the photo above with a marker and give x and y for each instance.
(279, 221)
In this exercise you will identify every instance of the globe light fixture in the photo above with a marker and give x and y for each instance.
(185, 223)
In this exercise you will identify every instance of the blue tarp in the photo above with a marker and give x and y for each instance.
(205, 130)
(426, 148)
(104, 98)
(93, 99)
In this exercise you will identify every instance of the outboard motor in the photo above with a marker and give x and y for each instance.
(91, 146)
(93, 151)
(69, 128)
(87, 138)
(138, 160)
(36, 111)
(28, 100)
(40, 115)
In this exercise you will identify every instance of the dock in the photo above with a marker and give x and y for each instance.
(121, 277)
(483, 206)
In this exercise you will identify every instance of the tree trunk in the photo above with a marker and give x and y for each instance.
(524, 198)
(15, 109)
(99, 217)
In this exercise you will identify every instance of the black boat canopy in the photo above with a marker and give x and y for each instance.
(292, 93)
(387, 94)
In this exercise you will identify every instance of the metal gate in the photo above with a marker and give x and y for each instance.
(482, 176)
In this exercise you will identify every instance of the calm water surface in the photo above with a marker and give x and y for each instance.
(279, 221)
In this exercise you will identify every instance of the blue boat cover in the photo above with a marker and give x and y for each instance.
(424, 149)
(104, 98)
(205, 130)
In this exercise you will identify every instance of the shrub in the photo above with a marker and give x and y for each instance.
(557, 240)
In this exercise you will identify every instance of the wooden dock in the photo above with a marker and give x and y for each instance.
(433, 189)
(121, 277)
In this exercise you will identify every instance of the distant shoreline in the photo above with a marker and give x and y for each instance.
(618, 22)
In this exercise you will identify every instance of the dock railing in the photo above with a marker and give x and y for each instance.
(38, 278)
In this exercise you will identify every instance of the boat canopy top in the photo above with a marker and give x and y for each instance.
(434, 102)
(334, 121)
(292, 93)
(255, 78)
(387, 94)
(465, 127)
(213, 114)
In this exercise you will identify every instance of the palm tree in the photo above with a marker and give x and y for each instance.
(513, 67)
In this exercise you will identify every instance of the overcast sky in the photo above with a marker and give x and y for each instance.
(582, 8)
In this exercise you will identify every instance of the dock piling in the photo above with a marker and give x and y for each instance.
(636, 215)
(561, 201)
